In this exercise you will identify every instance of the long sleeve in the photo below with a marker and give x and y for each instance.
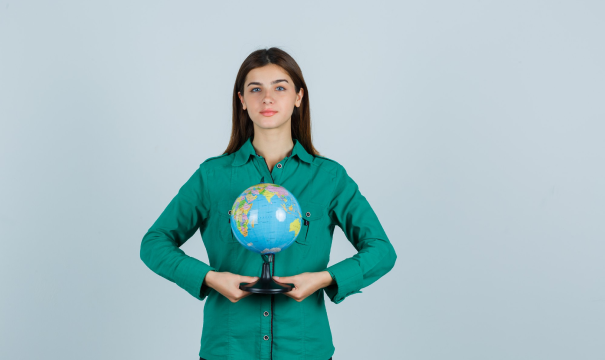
(160, 247)
(376, 256)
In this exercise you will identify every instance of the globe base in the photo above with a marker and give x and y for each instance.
(265, 284)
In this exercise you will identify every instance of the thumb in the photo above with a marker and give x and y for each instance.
(283, 279)
(249, 278)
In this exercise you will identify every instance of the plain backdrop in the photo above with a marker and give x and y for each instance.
(475, 129)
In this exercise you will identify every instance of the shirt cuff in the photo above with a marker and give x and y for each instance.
(191, 273)
(205, 289)
(348, 277)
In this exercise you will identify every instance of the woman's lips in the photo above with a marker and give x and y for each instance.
(268, 113)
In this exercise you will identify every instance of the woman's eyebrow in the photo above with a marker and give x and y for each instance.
(272, 82)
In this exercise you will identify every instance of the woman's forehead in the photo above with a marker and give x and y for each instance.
(268, 73)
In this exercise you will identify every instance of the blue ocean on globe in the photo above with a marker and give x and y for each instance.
(266, 218)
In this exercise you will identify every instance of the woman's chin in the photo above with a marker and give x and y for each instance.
(270, 124)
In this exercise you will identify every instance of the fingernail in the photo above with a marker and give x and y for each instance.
(276, 277)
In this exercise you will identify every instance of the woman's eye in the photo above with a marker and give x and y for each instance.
(256, 88)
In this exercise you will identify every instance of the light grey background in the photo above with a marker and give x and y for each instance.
(474, 128)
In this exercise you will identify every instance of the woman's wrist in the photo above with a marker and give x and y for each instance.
(208, 278)
(326, 279)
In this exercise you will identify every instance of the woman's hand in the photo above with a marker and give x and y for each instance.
(227, 284)
(305, 284)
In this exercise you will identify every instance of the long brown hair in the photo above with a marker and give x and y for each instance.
(241, 125)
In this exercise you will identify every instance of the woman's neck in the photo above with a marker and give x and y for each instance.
(272, 149)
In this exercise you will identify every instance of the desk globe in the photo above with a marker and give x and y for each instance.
(266, 219)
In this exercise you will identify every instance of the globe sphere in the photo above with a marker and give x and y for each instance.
(266, 218)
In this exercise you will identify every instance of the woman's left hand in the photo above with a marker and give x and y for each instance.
(305, 284)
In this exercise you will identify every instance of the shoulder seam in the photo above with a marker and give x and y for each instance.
(215, 157)
(337, 165)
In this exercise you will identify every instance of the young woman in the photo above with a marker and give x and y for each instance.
(270, 142)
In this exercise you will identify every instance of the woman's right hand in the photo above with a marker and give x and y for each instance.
(227, 284)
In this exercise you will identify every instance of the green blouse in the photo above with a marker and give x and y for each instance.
(263, 326)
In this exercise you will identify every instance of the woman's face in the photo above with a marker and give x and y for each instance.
(269, 97)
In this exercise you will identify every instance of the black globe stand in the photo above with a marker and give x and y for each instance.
(265, 284)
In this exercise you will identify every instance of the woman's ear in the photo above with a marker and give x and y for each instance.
(241, 99)
(299, 97)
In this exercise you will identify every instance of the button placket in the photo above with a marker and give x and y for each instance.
(265, 325)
